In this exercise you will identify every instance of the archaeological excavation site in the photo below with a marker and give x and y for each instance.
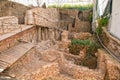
(43, 43)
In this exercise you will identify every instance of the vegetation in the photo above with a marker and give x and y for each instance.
(79, 7)
(90, 60)
(101, 23)
(90, 17)
(77, 45)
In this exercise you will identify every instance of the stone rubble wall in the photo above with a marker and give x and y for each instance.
(82, 35)
(50, 25)
(68, 66)
(72, 13)
(40, 64)
(79, 72)
(58, 18)
(8, 23)
(10, 8)
(107, 68)
(28, 35)
(79, 25)
(112, 43)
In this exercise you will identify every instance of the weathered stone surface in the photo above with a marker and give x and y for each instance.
(8, 20)
(31, 67)
(67, 66)
(78, 72)
(63, 45)
(82, 35)
(27, 33)
(8, 23)
(50, 60)
(112, 43)
(61, 18)
(43, 17)
(112, 67)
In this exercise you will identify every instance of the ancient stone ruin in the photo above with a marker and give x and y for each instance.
(44, 48)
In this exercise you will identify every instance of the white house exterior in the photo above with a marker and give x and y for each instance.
(115, 19)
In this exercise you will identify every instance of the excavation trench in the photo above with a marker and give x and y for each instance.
(51, 59)
(61, 60)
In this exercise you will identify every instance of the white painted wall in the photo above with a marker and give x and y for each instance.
(102, 4)
(115, 19)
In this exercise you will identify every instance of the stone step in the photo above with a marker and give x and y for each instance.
(31, 67)
(8, 57)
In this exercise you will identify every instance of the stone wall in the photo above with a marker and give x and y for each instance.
(108, 65)
(76, 24)
(68, 67)
(43, 17)
(8, 23)
(8, 8)
(112, 43)
(25, 33)
(65, 19)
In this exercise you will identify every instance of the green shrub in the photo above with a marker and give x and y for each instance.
(101, 23)
(80, 42)
(90, 60)
(79, 7)
(90, 17)
(99, 30)
(77, 45)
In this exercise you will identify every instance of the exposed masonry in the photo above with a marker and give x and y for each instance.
(112, 43)
(42, 24)
(43, 52)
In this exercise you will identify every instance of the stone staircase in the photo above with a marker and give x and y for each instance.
(32, 67)
(10, 56)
